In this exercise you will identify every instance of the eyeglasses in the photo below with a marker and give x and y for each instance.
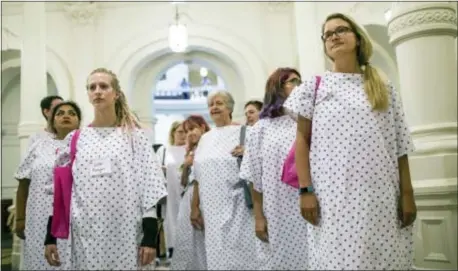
(339, 31)
(294, 81)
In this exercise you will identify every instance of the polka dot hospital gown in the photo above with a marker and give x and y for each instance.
(107, 209)
(37, 166)
(38, 136)
(354, 168)
(267, 146)
(189, 252)
(229, 225)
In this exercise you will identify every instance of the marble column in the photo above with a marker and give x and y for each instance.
(423, 35)
(33, 87)
(309, 46)
(33, 71)
(84, 43)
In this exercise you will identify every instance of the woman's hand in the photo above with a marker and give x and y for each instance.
(238, 151)
(196, 218)
(20, 228)
(189, 159)
(308, 204)
(51, 255)
(146, 255)
(261, 229)
(407, 209)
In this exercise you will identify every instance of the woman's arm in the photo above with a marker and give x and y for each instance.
(195, 196)
(405, 181)
(21, 199)
(304, 127)
(257, 203)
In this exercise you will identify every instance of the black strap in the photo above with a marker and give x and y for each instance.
(150, 232)
(246, 188)
(49, 239)
(163, 156)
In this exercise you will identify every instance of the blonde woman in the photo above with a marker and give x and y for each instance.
(171, 158)
(117, 181)
(355, 187)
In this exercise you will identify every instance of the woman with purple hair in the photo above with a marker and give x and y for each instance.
(277, 220)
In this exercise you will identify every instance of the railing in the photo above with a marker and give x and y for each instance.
(190, 93)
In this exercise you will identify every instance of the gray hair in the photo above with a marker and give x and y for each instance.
(227, 97)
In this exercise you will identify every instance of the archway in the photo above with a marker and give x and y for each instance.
(10, 98)
(151, 45)
(145, 87)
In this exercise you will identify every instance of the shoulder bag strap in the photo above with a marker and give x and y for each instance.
(73, 146)
(241, 142)
(317, 86)
(163, 156)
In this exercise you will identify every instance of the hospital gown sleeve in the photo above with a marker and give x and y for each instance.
(404, 143)
(251, 168)
(24, 170)
(302, 99)
(149, 172)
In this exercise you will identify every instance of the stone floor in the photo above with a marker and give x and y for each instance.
(7, 243)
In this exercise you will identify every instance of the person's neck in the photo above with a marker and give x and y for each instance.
(60, 135)
(347, 64)
(105, 118)
(222, 123)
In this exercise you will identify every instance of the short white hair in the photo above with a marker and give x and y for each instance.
(227, 97)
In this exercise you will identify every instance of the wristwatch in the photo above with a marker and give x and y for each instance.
(307, 189)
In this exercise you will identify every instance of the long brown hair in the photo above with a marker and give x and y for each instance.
(275, 95)
(375, 88)
(124, 116)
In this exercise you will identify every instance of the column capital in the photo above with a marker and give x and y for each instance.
(82, 13)
(410, 20)
(26, 129)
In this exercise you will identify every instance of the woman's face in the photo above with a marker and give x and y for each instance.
(194, 133)
(339, 38)
(66, 119)
(218, 109)
(179, 136)
(293, 81)
(101, 93)
(251, 114)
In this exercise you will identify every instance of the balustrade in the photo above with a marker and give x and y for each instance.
(186, 93)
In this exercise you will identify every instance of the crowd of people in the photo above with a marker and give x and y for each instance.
(317, 178)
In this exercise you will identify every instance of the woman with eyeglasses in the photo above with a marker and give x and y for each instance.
(355, 186)
(277, 221)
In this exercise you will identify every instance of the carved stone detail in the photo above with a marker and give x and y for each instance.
(278, 6)
(426, 19)
(82, 13)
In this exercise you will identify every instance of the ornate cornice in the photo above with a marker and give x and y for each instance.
(426, 19)
(82, 13)
(278, 6)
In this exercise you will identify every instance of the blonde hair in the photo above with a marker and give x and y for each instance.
(124, 116)
(172, 131)
(375, 87)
